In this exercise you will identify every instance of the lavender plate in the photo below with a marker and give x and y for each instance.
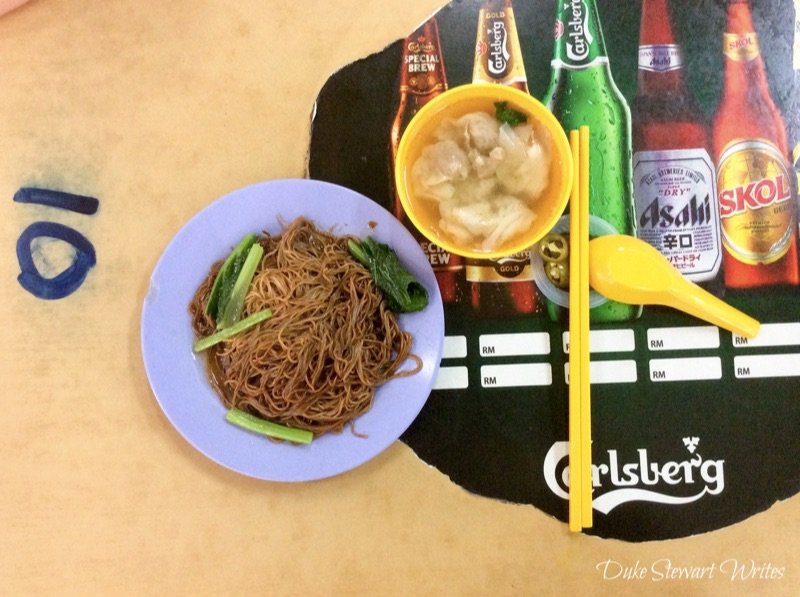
(178, 377)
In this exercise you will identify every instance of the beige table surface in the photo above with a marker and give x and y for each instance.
(158, 107)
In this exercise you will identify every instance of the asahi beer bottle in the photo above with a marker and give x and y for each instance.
(757, 197)
(500, 287)
(582, 92)
(422, 77)
(673, 175)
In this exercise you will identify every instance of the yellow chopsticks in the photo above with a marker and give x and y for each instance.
(575, 489)
(586, 397)
(580, 408)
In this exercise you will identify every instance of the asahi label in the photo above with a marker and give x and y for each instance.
(660, 58)
(622, 478)
(676, 209)
(756, 201)
(579, 48)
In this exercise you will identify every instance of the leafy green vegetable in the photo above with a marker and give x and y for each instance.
(226, 277)
(230, 332)
(403, 293)
(233, 310)
(257, 425)
(508, 115)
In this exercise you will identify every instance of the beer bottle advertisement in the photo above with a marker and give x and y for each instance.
(582, 91)
(500, 287)
(756, 184)
(693, 109)
(674, 177)
(423, 77)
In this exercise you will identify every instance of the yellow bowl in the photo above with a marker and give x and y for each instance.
(456, 102)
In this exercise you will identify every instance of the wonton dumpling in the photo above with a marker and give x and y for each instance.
(439, 192)
(495, 220)
(440, 163)
(527, 177)
(476, 218)
(473, 191)
(538, 163)
(524, 133)
(459, 233)
(525, 170)
(480, 131)
(486, 165)
(513, 217)
(449, 130)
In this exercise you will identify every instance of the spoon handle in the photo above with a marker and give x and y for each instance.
(696, 301)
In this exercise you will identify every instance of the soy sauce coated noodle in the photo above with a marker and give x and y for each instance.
(316, 363)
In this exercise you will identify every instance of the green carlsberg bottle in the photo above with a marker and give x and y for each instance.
(582, 92)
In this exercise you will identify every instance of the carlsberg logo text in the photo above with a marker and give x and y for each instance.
(618, 480)
(578, 36)
(498, 49)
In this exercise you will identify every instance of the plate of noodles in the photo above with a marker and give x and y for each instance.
(330, 359)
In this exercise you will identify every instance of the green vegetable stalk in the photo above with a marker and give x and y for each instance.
(268, 428)
(229, 332)
(226, 277)
(235, 302)
(403, 293)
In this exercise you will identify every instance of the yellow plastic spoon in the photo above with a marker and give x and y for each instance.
(628, 270)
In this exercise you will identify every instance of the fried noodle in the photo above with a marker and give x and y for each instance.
(332, 340)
